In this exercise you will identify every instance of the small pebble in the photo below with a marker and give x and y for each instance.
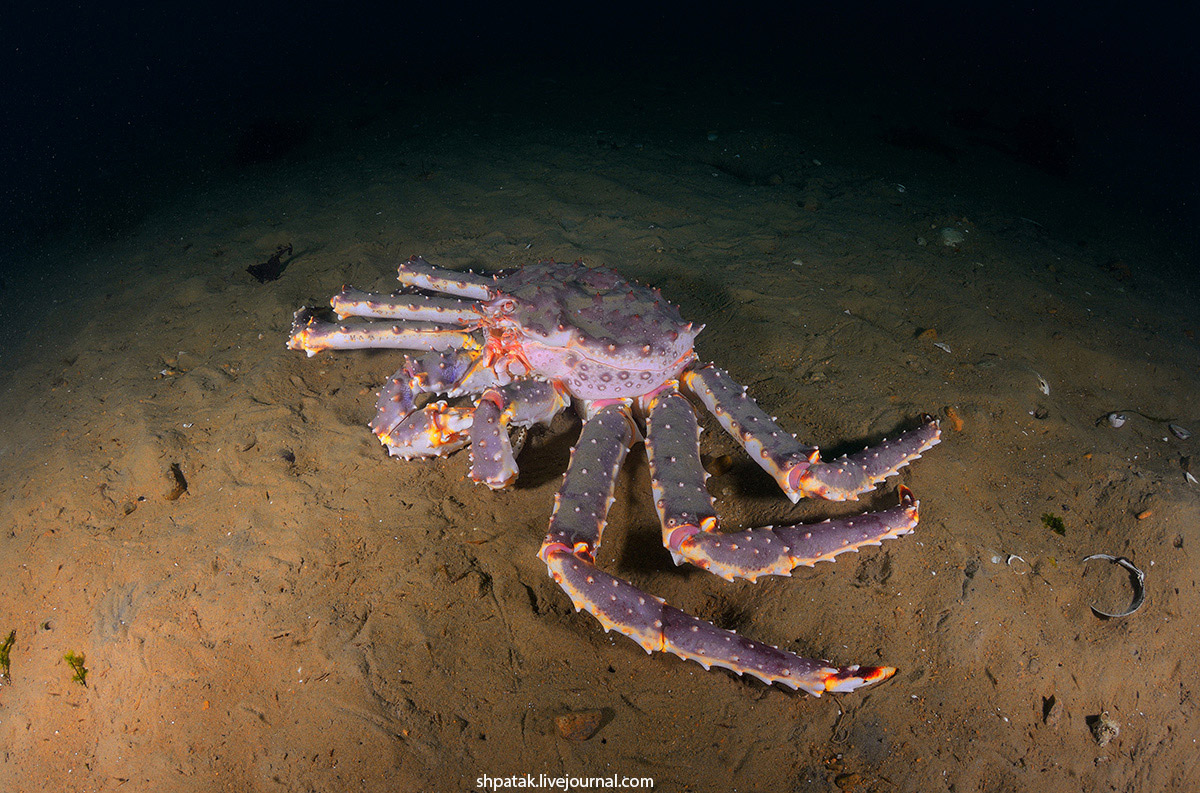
(580, 725)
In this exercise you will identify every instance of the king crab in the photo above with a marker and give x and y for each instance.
(525, 345)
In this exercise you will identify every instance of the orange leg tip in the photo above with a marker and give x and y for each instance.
(853, 677)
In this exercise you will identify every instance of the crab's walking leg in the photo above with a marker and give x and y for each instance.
(312, 335)
(351, 302)
(798, 468)
(520, 404)
(420, 273)
(569, 552)
(689, 520)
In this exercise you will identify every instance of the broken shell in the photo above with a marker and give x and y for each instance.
(1104, 728)
(1179, 432)
(952, 238)
(1116, 420)
(1018, 564)
(1137, 580)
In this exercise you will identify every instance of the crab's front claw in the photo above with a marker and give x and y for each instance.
(433, 431)
(649, 621)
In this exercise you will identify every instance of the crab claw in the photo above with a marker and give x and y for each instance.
(433, 431)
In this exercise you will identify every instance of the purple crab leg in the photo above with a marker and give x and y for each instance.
(351, 302)
(569, 552)
(649, 621)
(780, 549)
(520, 404)
(312, 335)
(581, 504)
(677, 476)
(798, 468)
(689, 520)
(420, 273)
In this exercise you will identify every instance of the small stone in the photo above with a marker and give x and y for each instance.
(848, 782)
(580, 725)
(1052, 710)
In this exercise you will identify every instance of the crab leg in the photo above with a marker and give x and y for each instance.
(351, 302)
(312, 335)
(689, 520)
(520, 404)
(420, 273)
(581, 504)
(569, 551)
(798, 468)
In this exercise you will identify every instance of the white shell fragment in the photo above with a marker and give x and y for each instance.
(1116, 420)
(1179, 432)
(1137, 579)
(1043, 386)
(1018, 564)
(952, 238)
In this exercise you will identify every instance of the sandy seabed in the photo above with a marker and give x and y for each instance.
(311, 615)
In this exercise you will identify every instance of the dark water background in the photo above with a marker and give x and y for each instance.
(110, 108)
